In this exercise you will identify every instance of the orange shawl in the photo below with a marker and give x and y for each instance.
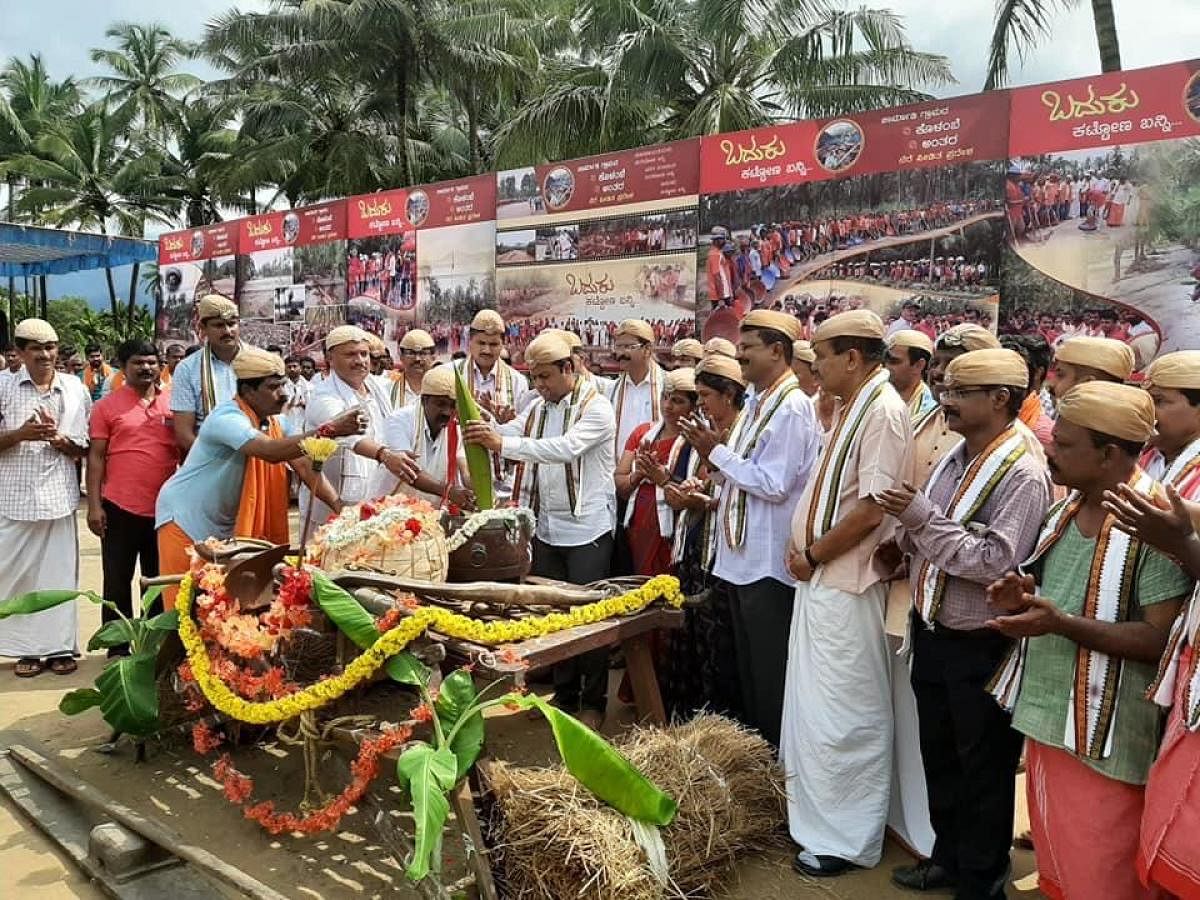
(263, 510)
(1031, 411)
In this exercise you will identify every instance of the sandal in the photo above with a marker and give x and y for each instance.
(62, 665)
(27, 667)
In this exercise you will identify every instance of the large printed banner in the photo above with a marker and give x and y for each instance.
(586, 243)
(1102, 212)
(1062, 209)
(292, 267)
(879, 210)
(422, 257)
(192, 264)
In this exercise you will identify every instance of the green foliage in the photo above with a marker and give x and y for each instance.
(479, 462)
(40, 601)
(129, 694)
(79, 700)
(454, 708)
(427, 775)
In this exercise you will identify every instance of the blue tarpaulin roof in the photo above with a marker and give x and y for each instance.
(26, 250)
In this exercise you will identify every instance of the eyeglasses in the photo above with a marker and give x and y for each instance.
(955, 394)
(622, 347)
(412, 353)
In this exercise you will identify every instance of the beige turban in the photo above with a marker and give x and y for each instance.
(858, 323)
(251, 362)
(910, 337)
(573, 339)
(547, 347)
(488, 321)
(969, 337)
(214, 306)
(637, 328)
(769, 318)
(681, 379)
(690, 348)
(346, 334)
(979, 368)
(718, 364)
(37, 330)
(721, 347)
(438, 382)
(1111, 357)
(803, 351)
(1118, 410)
(416, 339)
(1179, 371)
(376, 344)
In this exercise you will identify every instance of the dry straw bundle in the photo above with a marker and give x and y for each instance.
(557, 841)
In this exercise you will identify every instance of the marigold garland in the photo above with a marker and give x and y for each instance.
(373, 658)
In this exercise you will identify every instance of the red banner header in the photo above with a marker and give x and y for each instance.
(304, 225)
(1130, 107)
(456, 202)
(196, 244)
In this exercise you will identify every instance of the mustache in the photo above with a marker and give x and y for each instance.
(623, 357)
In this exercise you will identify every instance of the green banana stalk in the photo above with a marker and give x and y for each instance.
(479, 462)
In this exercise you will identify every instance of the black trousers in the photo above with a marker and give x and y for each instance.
(762, 621)
(128, 539)
(581, 682)
(970, 753)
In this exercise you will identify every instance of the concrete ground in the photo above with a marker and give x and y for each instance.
(32, 869)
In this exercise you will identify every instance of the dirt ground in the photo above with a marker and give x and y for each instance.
(174, 785)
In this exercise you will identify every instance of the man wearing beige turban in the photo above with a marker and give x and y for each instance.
(231, 484)
(837, 714)
(1173, 457)
(562, 443)
(1092, 611)
(43, 432)
(636, 394)
(206, 378)
(802, 367)
(428, 431)
(762, 467)
(685, 354)
(417, 356)
(349, 386)
(1084, 359)
(975, 520)
(497, 386)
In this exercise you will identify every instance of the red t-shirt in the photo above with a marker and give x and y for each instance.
(141, 453)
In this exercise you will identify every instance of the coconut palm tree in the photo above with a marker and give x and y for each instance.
(652, 69)
(199, 164)
(84, 174)
(143, 65)
(1021, 23)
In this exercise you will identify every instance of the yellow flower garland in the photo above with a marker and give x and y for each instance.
(373, 658)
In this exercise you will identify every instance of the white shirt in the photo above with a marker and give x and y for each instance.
(486, 384)
(349, 473)
(297, 393)
(400, 434)
(637, 407)
(588, 442)
(901, 324)
(773, 478)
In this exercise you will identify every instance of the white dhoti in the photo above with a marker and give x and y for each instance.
(38, 556)
(837, 742)
(909, 812)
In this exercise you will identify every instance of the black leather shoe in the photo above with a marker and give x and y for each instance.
(818, 866)
(924, 876)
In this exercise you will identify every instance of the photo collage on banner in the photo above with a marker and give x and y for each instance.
(897, 210)
(587, 243)
(1103, 213)
(422, 258)
(292, 284)
(192, 264)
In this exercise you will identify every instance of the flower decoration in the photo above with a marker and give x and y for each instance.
(318, 450)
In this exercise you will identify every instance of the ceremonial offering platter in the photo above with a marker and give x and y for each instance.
(491, 545)
(399, 535)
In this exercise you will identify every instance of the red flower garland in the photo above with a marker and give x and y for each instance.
(238, 788)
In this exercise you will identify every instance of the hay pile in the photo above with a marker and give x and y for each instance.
(555, 840)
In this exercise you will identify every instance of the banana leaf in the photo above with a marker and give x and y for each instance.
(112, 634)
(359, 626)
(77, 701)
(600, 768)
(455, 697)
(428, 775)
(129, 695)
(39, 601)
(479, 461)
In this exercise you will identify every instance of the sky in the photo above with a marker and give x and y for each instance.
(1151, 32)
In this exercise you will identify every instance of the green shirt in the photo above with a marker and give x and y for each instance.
(1041, 710)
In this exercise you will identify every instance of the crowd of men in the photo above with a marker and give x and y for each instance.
(1039, 200)
(915, 559)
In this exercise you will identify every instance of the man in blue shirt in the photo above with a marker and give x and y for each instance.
(206, 379)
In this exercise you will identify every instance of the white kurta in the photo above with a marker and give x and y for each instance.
(39, 555)
(836, 740)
